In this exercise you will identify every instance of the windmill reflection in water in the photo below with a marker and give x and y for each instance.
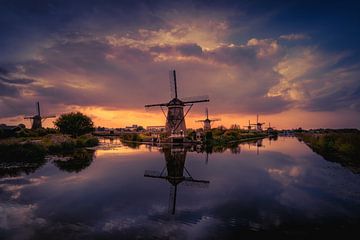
(176, 173)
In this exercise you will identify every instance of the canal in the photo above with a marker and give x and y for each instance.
(258, 189)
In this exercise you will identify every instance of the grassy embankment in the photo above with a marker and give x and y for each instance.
(26, 150)
(215, 137)
(32, 146)
(342, 146)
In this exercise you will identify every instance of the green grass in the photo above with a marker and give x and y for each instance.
(336, 145)
(33, 148)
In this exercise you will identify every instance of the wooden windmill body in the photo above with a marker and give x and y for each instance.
(207, 122)
(38, 119)
(175, 118)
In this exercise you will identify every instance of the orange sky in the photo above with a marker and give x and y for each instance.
(285, 120)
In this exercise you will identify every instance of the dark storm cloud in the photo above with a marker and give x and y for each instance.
(8, 91)
(190, 50)
(187, 49)
(16, 80)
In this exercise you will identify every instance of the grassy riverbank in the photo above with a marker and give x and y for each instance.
(215, 137)
(36, 147)
(228, 136)
(342, 146)
(26, 154)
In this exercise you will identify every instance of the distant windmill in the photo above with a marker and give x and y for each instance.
(207, 122)
(175, 117)
(38, 119)
(173, 172)
(258, 125)
(248, 126)
(272, 133)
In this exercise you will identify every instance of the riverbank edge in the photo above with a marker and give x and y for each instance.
(200, 143)
(349, 161)
(36, 148)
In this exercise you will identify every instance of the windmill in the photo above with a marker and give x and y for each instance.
(38, 119)
(175, 118)
(248, 127)
(173, 172)
(272, 133)
(207, 122)
(258, 125)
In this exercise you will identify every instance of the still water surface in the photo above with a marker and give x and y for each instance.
(255, 189)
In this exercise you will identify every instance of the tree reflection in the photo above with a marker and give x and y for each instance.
(76, 161)
(17, 168)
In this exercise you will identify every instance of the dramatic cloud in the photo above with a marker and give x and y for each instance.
(116, 57)
(294, 37)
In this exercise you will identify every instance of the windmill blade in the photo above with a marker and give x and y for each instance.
(28, 117)
(38, 108)
(196, 99)
(215, 119)
(173, 85)
(49, 116)
(172, 199)
(153, 174)
(199, 121)
(207, 113)
(189, 182)
(156, 105)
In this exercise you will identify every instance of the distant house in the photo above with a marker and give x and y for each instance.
(155, 129)
(134, 128)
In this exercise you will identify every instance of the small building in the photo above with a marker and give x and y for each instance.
(155, 129)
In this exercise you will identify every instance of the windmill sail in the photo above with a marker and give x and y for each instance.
(175, 118)
(196, 99)
(37, 119)
(173, 84)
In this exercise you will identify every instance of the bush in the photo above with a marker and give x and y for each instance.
(75, 124)
(87, 141)
(24, 152)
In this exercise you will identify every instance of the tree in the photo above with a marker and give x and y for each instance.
(75, 124)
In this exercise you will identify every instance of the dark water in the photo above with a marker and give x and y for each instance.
(278, 188)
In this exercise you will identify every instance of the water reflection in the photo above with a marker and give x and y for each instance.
(175, 173)
(257, 144)
(76, 161)
(285, 192)
(15, 168)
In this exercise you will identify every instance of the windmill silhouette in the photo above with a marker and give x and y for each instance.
(248, 127)
(207, 122)
(175, 118)
(38, 119)
(174, 173)
(258, 125)
(272, 133)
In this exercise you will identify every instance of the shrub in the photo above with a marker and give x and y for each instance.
(75, 124)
